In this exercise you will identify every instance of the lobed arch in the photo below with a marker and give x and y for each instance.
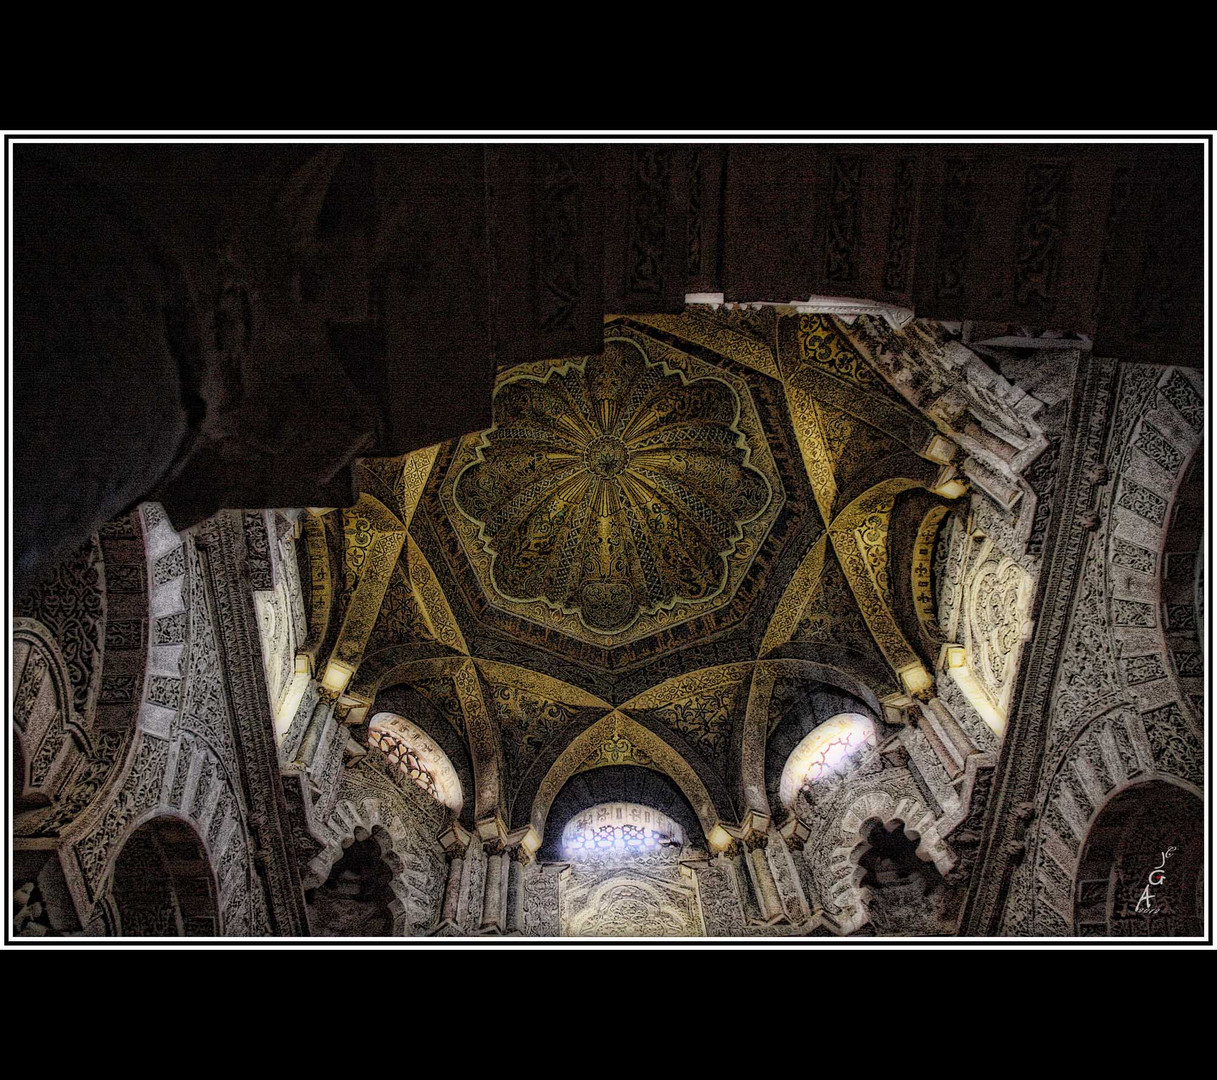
(849, 839)
(370, 817)
(931, 912)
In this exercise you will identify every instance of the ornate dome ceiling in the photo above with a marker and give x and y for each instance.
(616, 495)
(638, 556)
(712, 489)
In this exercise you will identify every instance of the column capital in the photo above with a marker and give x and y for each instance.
(795, 833)
(492, 830)
(455, 839)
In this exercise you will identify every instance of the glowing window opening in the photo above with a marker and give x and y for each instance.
(827, 751)
(404, 757)
(620, 829)
(417, 756)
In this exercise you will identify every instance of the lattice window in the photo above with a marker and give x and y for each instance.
(827, 751)
(405, 758)
(619, 828)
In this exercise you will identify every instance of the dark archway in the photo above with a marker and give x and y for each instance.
(906, 894)
(356, 899)
(163, 885)
(1125, 844)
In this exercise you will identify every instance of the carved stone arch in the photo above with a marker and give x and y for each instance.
(918, 822)
(99, 618)
(1154, 824)
(1149, 595)
(1181, 599)
(1114, 751)
(860, 537)
(949, 557)
(319, 571)
(162, 882)
(753, 789)
(617, 739)
(866, 676)
(400, 664)
(404, 665)
(46, 726)
(924, 518)
(362, 818)
(911, 468)
(921, 904)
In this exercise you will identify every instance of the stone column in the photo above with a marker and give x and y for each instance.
(951, 729)
(316, 728)
(927, 724)
(494, 894)
(721, 909)
(516, 859)
(452, 890)
(762, 876)
(738, 858)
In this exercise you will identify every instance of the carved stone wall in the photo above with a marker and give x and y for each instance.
(1118, 715)
(643, 895)
(835, 818)
(154, 736)
(274, 575)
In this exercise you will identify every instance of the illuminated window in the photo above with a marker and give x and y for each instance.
(827, 751)
(417, 756)
(620, 829)
(396, 750)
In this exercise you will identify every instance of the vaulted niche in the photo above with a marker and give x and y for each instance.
(626, 877)
(1141, 872)
(356, 899)
(904, 893)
